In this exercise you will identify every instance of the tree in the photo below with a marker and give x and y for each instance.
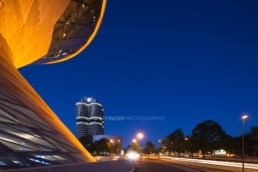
(186, 145)
(254, 139)
(149, 148)
(192, 147)
(227, 143)
(237, 145)
(102, 146)
(127, 148)
(178, 135)
(87, 142)
(166, 144)
(134, 147)
(115, 147)
(207, 136)
(174, 141)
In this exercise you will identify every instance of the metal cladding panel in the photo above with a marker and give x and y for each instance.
(30, 133)
(19, 26)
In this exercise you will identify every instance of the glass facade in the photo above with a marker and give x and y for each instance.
(89, 117)
(73, 29)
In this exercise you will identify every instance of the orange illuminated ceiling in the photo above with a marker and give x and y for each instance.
(27, 26)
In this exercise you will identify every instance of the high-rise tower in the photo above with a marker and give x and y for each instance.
(89, 117)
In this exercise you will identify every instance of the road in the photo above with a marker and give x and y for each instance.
(152, 166)
(212, 163)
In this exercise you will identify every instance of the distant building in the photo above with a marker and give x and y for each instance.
(89, 117)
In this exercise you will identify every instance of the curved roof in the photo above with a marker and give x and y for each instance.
(48, 31)
(74, 30)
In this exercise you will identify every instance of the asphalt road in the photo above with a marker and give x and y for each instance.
(149, 166)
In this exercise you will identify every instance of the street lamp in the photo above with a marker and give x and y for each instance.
(140, 136)
(159, 148)
(186, 141)
(134, 140)
(243, 142)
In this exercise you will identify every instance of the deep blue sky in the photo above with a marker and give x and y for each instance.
(186, 60)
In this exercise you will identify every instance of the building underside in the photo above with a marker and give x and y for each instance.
(36, 31)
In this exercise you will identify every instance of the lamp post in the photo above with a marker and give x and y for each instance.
(186, 141)
(159, 148)
(243, 142)
(140, 136)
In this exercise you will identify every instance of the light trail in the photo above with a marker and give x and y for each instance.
(213, 162)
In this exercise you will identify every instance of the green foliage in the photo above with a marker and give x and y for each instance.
(149, 148)
(207, 136)
(174, 142)
(102, 146)
(134, 147)
(191, 146)
(254, 140)
(227, 143)
(237, 145)
(115, 148)
(87, 142)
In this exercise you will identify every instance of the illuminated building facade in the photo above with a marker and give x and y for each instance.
(46, 32)
(89, 117)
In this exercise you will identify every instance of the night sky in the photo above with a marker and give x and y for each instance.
(187, 61)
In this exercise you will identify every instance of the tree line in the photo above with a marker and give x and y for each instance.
(100, 147)
(207, 137)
